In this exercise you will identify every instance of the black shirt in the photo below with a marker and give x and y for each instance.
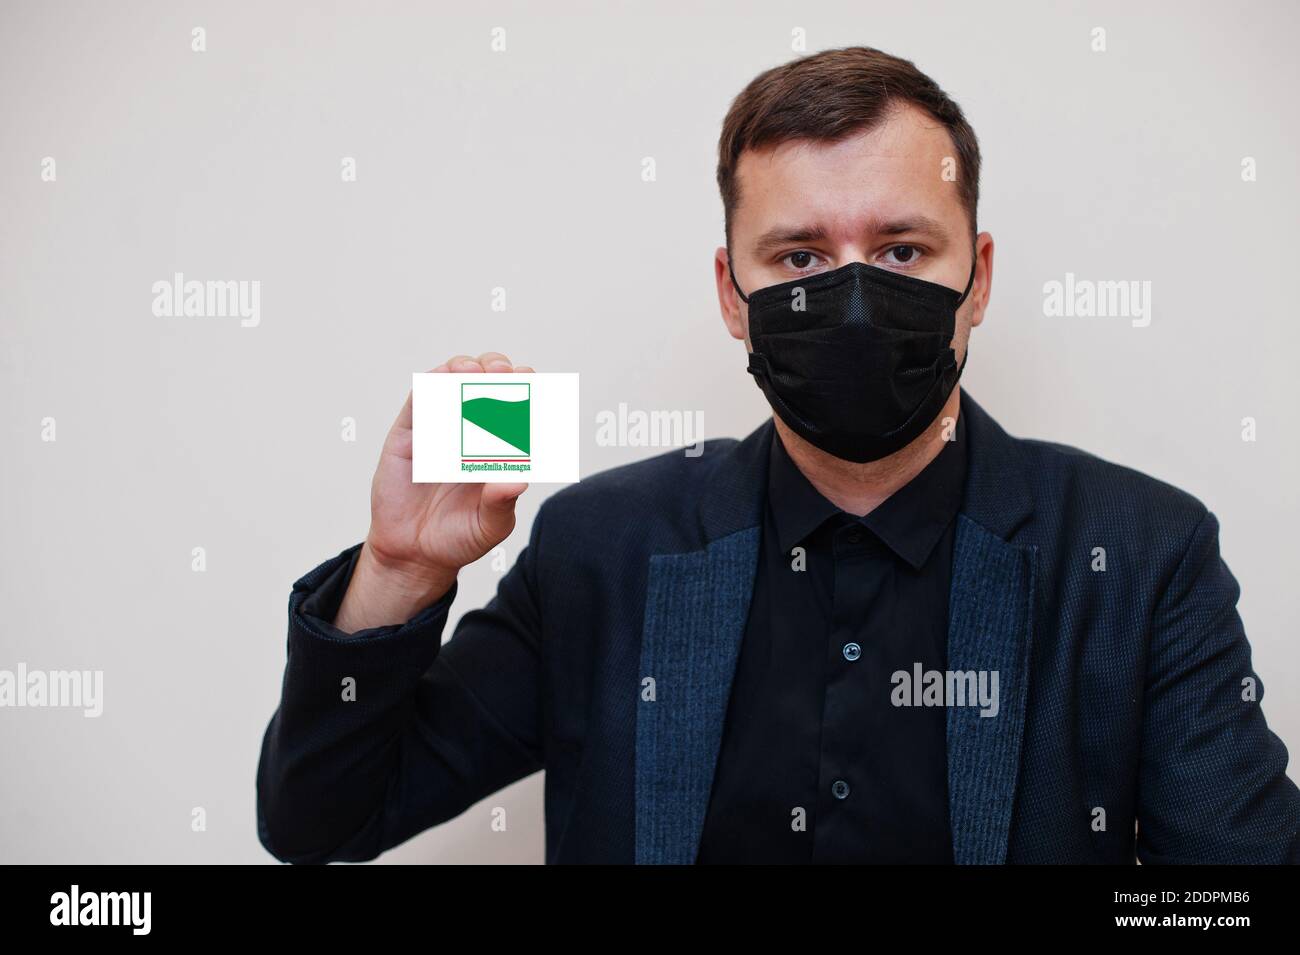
(811, 733)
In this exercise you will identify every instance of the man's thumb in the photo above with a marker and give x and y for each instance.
(497, 505)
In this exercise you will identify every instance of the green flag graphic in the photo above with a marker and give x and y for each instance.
(500, 409)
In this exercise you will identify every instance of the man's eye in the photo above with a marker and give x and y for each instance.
(799, 260)
(904, 254)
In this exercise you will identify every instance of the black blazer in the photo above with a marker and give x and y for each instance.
(607, 654)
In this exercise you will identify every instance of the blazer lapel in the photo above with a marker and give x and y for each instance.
(697, 604)
(990, 631)
(696, 607)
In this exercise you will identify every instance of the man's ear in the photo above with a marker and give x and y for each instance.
(734, 314)
(983, 286)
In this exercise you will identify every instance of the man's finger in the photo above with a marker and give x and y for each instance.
(496, 510)
(493, 358)
(403, 421)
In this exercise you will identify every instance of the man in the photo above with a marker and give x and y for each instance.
(878, 629)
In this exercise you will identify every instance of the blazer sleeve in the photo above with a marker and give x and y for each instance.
(1212, 786)
(386, 732)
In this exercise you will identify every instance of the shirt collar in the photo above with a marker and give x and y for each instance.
(910, 521)
(798, 508)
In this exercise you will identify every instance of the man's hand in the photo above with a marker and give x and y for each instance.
(421, 535)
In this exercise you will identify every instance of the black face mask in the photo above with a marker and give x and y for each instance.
(866, 365)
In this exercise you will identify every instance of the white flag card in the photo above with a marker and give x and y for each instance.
(497, 428)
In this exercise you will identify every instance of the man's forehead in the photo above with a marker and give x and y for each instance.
(892, 167)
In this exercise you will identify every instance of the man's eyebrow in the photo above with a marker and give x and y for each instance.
(781, 236)
(920, 225)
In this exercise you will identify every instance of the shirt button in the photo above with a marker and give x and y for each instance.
(852, 651)
(840, 789)
(855, 537)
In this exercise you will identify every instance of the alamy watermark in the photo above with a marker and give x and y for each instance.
(103, 908)
(923, 687)
(82, 689)
(178, 298)
(1084, 298)
(626, 428)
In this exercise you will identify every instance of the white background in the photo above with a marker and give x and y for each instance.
(522, 170)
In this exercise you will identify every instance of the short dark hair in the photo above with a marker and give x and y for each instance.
(830, 95)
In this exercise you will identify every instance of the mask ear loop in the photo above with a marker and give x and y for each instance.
(743, 297)
(970, 282)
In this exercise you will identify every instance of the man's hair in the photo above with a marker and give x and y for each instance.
(832, 95)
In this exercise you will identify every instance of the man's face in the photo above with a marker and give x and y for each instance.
(879, 197)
